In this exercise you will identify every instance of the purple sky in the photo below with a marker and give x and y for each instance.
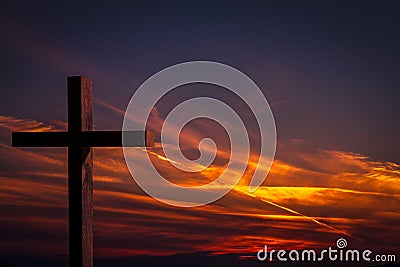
(329, 70)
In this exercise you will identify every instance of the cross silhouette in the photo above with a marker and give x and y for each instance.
(80, 139)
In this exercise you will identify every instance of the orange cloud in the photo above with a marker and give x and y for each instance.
(308, 203)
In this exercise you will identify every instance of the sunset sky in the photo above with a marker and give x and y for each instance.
(330, 72)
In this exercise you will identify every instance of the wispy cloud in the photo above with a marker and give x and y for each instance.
(18, 124)
(309, 201)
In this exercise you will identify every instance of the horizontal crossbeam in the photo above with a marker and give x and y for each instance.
(84, 139)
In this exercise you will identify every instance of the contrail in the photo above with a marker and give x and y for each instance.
(300, 214)
(273, 203)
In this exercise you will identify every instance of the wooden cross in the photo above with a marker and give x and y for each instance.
(80, 139)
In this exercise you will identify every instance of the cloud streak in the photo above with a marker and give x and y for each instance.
(307, 202)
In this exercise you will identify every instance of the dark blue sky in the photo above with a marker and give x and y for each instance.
(329, 70)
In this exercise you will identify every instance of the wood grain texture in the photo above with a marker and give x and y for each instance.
(80, 173)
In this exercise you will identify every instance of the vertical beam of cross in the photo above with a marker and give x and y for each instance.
(80, 170)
